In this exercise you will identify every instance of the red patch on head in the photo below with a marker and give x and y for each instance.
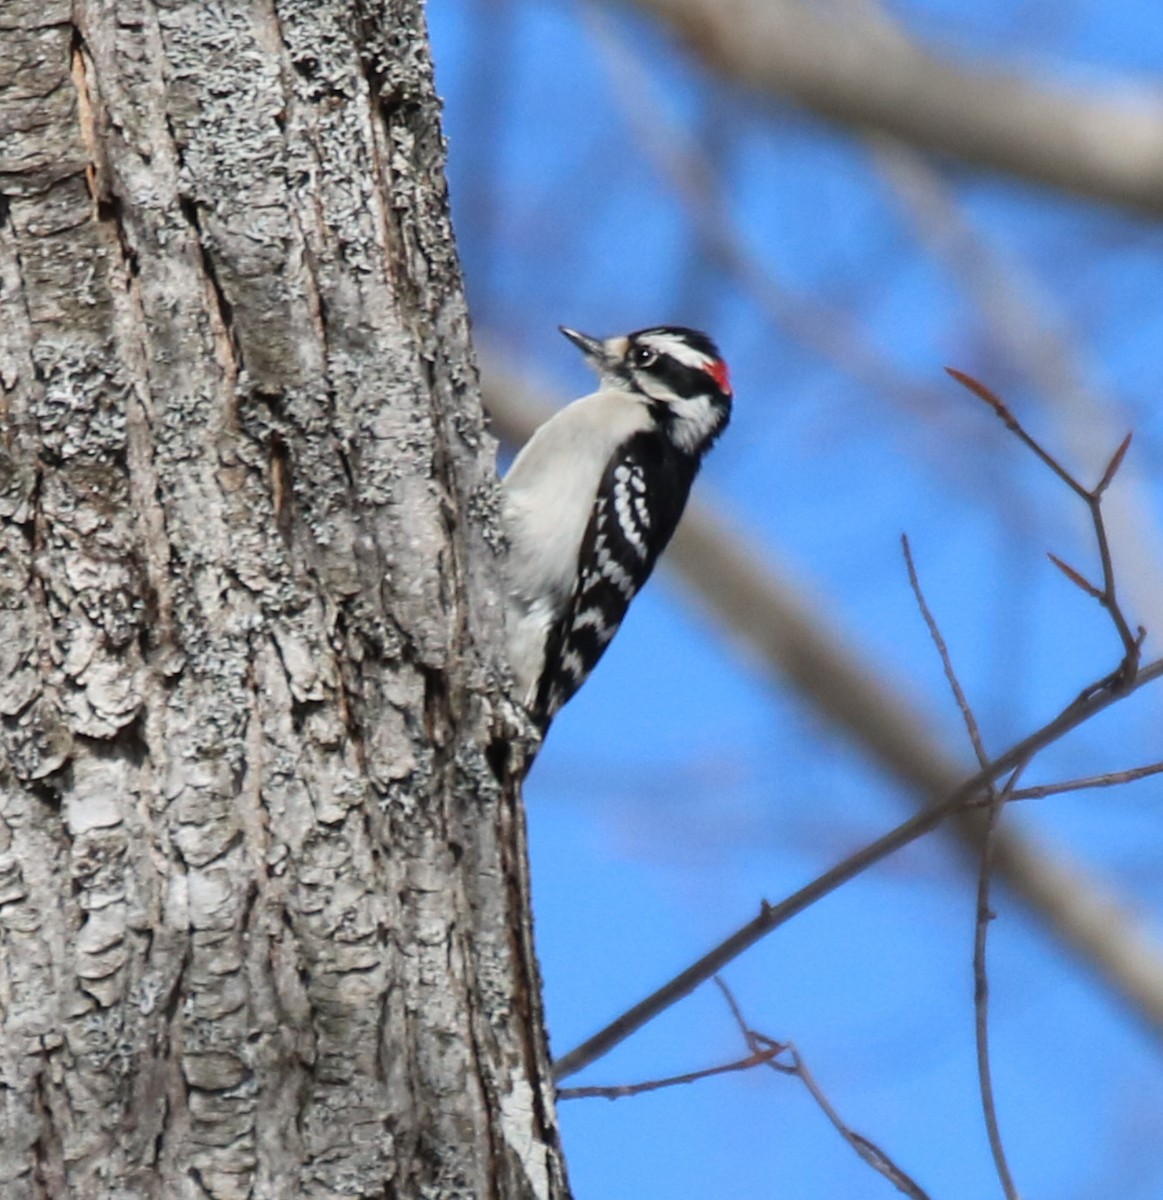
(719, 373)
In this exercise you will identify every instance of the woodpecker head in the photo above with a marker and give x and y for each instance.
(679, 373)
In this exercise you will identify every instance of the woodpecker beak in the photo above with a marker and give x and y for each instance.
(593, 348)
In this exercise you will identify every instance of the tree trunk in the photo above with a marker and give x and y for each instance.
(263, 901)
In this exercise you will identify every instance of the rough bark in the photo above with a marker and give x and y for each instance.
(263, 905)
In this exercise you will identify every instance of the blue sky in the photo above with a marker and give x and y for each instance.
(683, 785)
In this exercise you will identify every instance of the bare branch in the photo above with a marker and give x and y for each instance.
(1106, 144)
(1076, 577)
(1114, 464)
(981, 989)
(984, 915)
(1111, 779)
(765, 1051)
(868, 1150)
(1011, 422)
(967, 716)
(1023, 324)
(1124, 674)
(771, 916)
(783, 630)
(757, 1058)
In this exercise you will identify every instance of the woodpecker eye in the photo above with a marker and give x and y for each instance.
(643, 356)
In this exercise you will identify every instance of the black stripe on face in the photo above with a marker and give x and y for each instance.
(681, 380)
(668, 349)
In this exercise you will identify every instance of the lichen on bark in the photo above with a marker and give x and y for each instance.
(263, 901)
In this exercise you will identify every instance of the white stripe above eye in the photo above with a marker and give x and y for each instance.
(678, 349)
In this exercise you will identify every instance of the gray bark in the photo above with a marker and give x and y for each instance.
(263, 901)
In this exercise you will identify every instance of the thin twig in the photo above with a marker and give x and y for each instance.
(967, 716)
(981, 991)
(782, 630)
(1110, 779)
(996, 801)
(1026, 331)
(1124, 674)
(736, 1012)
(771, 916)
(868, 1150)
(757, 1058)
(1014, 426)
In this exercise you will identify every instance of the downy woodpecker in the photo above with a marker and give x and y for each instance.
(594, 496)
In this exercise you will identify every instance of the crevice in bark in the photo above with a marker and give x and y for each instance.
(391, 109)
(498, 755)
(282, 487)
(345, 459)
(492, 1100)
(111, 210)
(527, 997)
(195, 1177)
(336, 515)
(48, 1152)
(93, 121)
(49, 790)
(28, 528)
(189, 210)
(301, 711)
(435, 710)
(128, 743)
(150, 626)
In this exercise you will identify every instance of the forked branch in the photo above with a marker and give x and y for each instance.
(868, 1150)
(996, 801)
(1126, 678)
(1124, 675)
(619, 1091)
(1093, 701)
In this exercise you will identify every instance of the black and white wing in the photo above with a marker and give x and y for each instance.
(638, 506)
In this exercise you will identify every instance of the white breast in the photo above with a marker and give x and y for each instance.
(549, 495)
